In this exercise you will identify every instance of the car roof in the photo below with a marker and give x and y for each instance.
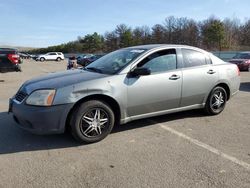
(153, 46)
(246, 52)
(8, 49)
(54, 52)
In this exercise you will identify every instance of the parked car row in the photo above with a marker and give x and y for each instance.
(10, 59)
(242, 59)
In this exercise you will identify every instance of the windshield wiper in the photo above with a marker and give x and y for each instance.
(93, 69)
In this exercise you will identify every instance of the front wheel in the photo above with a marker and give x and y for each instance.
(92, 121)
(216, 101)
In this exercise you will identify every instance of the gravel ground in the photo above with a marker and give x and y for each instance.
(184, 149)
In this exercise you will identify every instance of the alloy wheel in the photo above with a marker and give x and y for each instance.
(217, 101)
(94, 122)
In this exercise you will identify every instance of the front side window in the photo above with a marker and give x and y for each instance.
(161, 61)
(192, 58)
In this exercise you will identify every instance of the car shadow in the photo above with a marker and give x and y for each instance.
(13, 139)
(245, 86)
(158, 119)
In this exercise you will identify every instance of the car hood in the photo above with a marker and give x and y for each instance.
(60, 79)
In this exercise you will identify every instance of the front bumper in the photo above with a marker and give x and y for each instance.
(40, 120)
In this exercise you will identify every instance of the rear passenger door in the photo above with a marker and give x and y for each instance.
(199, 76)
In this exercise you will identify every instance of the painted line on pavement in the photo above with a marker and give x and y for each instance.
(207, 147)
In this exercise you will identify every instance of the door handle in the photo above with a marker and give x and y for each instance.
(174, 77)
(211, 71)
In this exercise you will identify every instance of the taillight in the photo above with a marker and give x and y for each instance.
(14, 58)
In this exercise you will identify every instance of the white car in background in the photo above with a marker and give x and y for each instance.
(55, 56)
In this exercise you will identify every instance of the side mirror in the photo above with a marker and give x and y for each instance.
(140, 71)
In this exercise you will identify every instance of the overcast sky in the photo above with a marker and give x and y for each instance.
(40, 23)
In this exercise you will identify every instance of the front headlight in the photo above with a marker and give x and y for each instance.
(43, 97)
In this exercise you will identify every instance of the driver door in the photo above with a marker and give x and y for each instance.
(159, 91)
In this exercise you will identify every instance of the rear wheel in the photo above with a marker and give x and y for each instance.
(216, 101)
(18, 68)
(92, 121)
(58, 59)
(42, 59)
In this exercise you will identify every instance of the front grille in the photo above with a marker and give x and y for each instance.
(20, 96)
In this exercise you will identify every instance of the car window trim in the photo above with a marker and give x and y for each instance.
(133, 65)
(152, 73)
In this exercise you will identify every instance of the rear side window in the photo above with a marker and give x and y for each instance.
(192, 58)
(161, 61)
(242, 56)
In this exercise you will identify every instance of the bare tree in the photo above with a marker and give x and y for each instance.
(245, 34)
(158, 34)
(231, 28)
(141, 35)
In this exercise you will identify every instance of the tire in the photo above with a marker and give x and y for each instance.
(58, 59)
(18, 68)
(42, 59)
(85, 125)
(216, 101)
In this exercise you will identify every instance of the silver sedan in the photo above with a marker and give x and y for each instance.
(122, 86)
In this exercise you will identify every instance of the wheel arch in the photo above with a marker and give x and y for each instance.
(226, 87)
(101, 97)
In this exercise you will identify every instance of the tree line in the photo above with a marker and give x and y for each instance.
(211, 34)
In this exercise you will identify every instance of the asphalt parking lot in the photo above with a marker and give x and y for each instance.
(184, 149)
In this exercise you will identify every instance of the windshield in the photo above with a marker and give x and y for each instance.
(115, 61)
(242, 56)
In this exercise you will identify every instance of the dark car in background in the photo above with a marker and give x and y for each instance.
(86, 61)
(9, 60)
(24, 55)
(242, 60)
(81, 58)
